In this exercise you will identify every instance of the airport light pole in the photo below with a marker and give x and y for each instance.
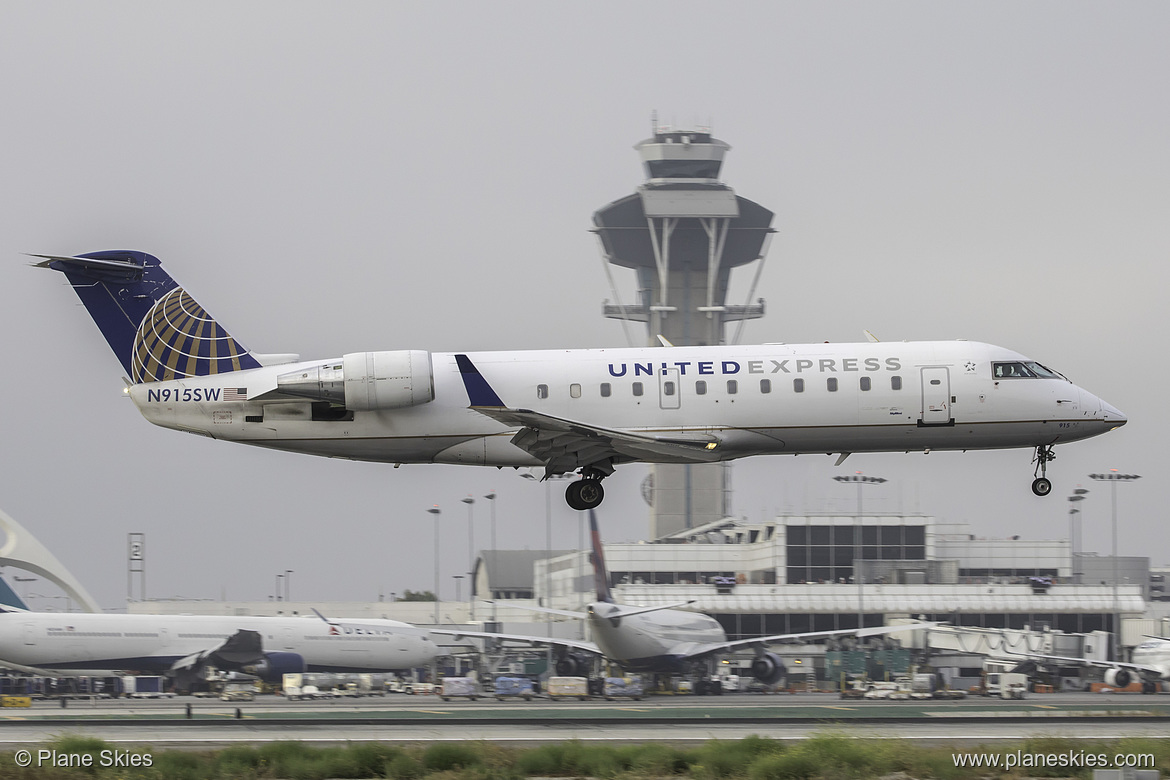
(279, 589)
(1073, 541)
(458, 583)
(470, 556)
(288, 584)
(492, 498)
(434, 510)
(861, 480)
(1113, 476)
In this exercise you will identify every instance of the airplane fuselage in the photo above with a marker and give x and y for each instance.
(155, 642)
(653, 641)
(747, 400)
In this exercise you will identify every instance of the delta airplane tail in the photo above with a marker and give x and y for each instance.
(597, 558)
(155, 328)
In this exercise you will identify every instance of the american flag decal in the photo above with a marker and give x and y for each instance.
(235, 394)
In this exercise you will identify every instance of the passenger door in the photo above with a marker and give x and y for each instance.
(936, 396)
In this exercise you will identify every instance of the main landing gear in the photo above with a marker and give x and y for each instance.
(586, 493)
(1042, 486)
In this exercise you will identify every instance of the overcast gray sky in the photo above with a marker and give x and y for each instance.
(330, 178)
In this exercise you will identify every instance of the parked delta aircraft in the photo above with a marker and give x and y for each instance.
(584, 411)
(182, 645)
(662, 639)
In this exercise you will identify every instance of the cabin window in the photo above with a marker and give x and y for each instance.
(701, 387)
(668, 388)
(798, 385)
(605, 389)
(542, 391)
(732, 386)
(765, 385)
(832, 383)
(637, 388)
(895, 383)
(574, 390)
(865, 383)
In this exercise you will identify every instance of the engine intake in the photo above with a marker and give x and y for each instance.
(571, 665)
(276, 665)
(768, 668)
(366, 381)
(1118, 678)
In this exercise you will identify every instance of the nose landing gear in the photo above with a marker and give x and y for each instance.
(1042, 486)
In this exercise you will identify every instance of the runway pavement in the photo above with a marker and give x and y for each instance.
(164, 723)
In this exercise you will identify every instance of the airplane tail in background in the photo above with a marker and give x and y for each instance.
(597, 558)
(9, 601)
(155, 328)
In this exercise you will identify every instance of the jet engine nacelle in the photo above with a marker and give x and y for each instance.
(276, 665)
(572, 666)
(1118, 678)
(768, 668)
(366, 381)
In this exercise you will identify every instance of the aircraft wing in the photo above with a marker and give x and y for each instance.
(565, 445)
(573, 644)
(692, 650)
(241, 648)
(1151, 672)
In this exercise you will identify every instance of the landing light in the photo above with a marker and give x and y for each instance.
(711, 445)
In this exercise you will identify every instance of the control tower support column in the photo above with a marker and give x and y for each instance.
(683, 231)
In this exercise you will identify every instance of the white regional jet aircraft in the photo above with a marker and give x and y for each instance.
(182, 645)
(574, 410)
(660, 639)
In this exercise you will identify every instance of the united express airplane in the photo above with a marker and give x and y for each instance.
(585, 411)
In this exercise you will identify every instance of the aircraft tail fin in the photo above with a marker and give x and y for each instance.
(597, 558)
(9, 601)
(155, 328)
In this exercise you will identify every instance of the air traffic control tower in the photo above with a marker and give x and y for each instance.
(683, 232)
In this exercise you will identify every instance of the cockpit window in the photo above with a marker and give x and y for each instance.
(1023, 369)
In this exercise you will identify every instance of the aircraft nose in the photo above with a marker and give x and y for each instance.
(1111, 414)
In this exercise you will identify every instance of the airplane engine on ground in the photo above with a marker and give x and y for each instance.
(572, 666)
(1118, 678)
(275, 665)
(768, 668)
(366, 381)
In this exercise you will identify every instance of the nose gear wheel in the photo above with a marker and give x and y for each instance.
(1042, 486)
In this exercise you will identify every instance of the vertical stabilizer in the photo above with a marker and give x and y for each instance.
(155, 328)
(597, 558)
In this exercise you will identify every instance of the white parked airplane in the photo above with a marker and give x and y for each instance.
(587, 411)
(660, 639)
(181, 645)
(1151, 664)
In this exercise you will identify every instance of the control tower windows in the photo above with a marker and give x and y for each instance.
(683, 169)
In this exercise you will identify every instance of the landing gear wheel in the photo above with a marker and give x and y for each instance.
(584, 494)
(1042, 486)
